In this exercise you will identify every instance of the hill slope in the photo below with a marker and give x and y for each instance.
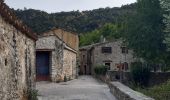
(80, 22)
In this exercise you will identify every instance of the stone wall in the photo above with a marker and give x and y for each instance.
(17, 63)
(71, 39)
(83, 62)
(114, 58)
(53, 44)
(46, 42)
(122, 92)
(63, 58)
(69, 64)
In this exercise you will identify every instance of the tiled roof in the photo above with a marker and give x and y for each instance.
(97, 44)
(9, 16)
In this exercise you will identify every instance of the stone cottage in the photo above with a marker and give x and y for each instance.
(17, 57)
(112, 54)
(70, 38)
(56, 56)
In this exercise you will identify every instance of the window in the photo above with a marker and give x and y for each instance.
(125, 50)
(6, 61)
(106, 50)
(108, 65)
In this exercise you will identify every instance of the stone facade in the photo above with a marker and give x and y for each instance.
(17, 61)
(84, 66)
(69, 64)
(114, 58)
(62, 59)
(107, 53)
(70, 38)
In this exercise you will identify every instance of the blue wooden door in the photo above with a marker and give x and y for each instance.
(42, 66)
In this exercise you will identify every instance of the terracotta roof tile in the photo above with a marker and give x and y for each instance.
(9, 16)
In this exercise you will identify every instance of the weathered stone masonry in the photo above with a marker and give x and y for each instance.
(114, 58)
(17, 58)
(63, 58)
(69, 64)
(92, 56)
(55, 46)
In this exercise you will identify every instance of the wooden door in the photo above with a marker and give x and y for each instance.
(42, 66)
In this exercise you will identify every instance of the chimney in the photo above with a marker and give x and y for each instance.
(102, 39)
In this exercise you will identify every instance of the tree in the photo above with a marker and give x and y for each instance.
(166, 6)
(89, 38)
(111, 31)
(79, 22)
(144, 32)
(108, 31)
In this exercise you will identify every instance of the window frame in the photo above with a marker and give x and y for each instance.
(106, 50)
(124, 50)
(109, 66)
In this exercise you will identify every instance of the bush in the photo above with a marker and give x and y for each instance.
(65, 78)
(140, 74)
(165, 68)
(159, 92)
(100, 70)
(33, 94)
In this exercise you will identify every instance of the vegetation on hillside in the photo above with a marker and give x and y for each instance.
(108, 31)
(80, 22)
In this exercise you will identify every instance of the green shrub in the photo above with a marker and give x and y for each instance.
(140, 74)
(165, 68)
(33, 94)
(100, 70)
(159, 92)
(65, 78)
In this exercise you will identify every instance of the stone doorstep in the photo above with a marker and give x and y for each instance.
(126, 92)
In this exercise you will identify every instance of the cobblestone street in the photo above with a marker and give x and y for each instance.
(83, 88)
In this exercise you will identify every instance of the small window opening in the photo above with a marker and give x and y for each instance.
(6, 62)
(124, 50)
(108, 65)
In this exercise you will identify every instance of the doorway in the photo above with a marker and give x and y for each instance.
(43, 66)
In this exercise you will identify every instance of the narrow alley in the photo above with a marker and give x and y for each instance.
(83, 88)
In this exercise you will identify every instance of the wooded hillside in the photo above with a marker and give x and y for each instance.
(80, 22)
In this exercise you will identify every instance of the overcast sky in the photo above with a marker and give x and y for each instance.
(66, 5)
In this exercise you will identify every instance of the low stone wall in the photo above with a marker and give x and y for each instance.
(156, 78)
(122, 92)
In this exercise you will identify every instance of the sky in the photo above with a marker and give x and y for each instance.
(66, 5)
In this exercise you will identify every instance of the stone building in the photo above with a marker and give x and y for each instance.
(17, 57)
(112, 54)
(56, 58)
(85, 60)
(70, 38)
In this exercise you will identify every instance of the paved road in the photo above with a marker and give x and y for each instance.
(83, 88)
